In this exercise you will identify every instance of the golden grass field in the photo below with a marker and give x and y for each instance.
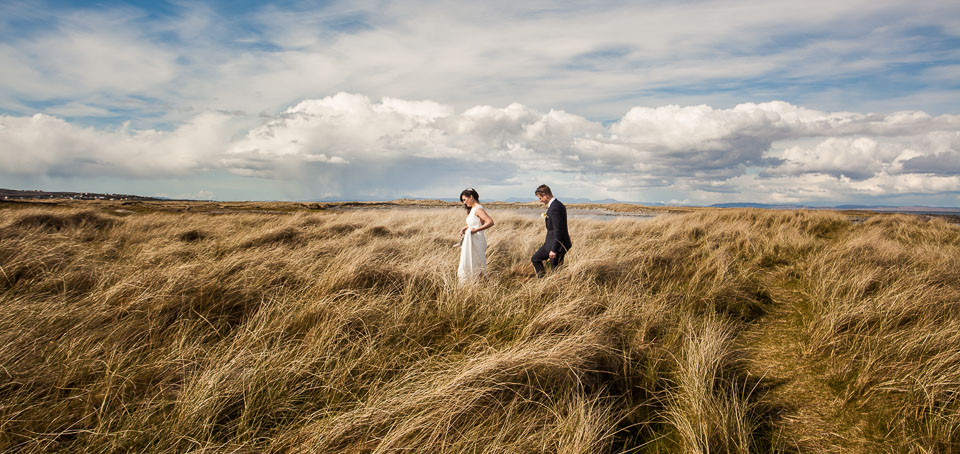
(293, 328)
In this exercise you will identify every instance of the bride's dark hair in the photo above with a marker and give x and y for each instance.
(471, 192)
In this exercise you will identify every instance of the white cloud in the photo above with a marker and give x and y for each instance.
(199, 195)
(594, 59)
(347, 144)
(79, 109)
(86, 55)
(940, 164)
(340, 128)
(931, 150)
(522, 88)
(46, 145)
(857, 158)
(823, 188)
(345, 128)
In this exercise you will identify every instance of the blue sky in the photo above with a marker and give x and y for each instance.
(694, 102)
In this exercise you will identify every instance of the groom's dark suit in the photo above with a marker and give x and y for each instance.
(558, 240)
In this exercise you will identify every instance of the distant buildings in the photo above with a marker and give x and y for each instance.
(14, 194)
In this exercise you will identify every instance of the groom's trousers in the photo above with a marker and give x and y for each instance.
(543, 254)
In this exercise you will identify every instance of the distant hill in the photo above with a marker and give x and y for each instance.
(759, 205)
(881, 208)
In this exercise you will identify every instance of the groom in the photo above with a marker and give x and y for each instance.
(558, 240)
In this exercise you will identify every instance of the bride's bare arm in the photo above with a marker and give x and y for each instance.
(487, 221)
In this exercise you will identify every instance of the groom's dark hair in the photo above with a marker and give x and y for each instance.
(543, 189)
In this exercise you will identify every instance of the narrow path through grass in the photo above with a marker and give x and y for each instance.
(812, 415)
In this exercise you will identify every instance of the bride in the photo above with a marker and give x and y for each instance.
(473, 247)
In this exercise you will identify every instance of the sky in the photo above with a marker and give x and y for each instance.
(676, 102)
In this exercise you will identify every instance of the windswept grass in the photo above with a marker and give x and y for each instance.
(346, 331)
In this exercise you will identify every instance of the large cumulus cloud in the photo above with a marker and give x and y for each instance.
(348, 144)
(47, 145)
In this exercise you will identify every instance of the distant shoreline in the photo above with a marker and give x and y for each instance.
(588, 208)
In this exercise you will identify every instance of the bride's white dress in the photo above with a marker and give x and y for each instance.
(473, 249)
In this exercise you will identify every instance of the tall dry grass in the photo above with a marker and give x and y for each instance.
(713, 331)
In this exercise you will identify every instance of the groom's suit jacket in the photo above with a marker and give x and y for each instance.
(558, 240)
